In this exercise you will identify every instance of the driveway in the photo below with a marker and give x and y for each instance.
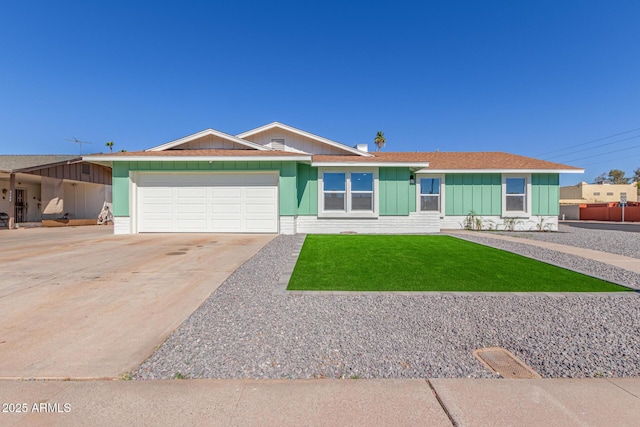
(79, 302)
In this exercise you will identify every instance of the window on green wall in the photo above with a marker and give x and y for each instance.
(361, 191)
(516, 195)
(430, 194)
(335, 189)
(347, 193)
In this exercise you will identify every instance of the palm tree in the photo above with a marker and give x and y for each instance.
(380, 140)
(110, 145)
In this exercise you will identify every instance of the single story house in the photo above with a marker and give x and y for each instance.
(279, 179)
(41, 187)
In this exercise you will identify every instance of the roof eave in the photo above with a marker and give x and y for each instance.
(532, 170)
(134, 158)
(375, 164)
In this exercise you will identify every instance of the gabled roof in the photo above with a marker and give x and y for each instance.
(23, 163)
(300, 132)
(206, 132)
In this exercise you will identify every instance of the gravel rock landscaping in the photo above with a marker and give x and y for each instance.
(612, 241)
(246, 329)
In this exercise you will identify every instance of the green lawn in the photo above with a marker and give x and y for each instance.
(427, 263)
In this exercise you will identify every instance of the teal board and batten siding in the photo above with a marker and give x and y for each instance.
(477, 192)
(307, 190)
(287, 171)
(397, 194)
(545, 194)
(482, 194)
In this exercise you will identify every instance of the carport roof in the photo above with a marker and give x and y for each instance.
(20, 162)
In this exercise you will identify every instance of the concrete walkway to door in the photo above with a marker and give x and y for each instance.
(79, 302)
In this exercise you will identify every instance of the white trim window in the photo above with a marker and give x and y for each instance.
(343, 193)
(334, 191)
(362, 191)
(430, 194)
(516, 195)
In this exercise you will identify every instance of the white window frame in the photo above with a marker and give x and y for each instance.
(526, 213)
(419, 195)
(348, 212)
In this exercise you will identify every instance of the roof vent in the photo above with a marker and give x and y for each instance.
(362, 147)
(278, 144)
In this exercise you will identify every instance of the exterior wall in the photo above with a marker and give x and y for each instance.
(121, 225)
(85, 200)
(496, 222)
(397, 196)
(34, 206)
(477, 192)
(294, 142)
(414, 223)
(307, 190)
(570, 212)
(545, 194)
(482, 194)
(288, 170)
(287, 225)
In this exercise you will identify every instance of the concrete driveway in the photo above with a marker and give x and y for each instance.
(79, 302)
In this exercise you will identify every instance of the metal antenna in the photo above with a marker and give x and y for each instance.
(77, 141)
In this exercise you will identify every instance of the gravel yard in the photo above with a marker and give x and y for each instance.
(246, 330)
(613, 241)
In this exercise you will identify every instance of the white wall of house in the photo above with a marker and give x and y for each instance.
(490, 222)
(83, 200)
(414, 223)
(32, 199)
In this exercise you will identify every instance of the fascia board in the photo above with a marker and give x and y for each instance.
(376, 164)
(205, 132)
(197, 158)
(305, 134)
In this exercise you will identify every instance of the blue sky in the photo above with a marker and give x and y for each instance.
(527, 77)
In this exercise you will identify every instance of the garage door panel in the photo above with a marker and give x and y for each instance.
(192, 208)
(207, 202)
(192, 193)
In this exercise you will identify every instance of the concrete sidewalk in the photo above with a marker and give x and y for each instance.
(438, 402)
(627, 263)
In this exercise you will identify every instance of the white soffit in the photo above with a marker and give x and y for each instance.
(305, 134)
(206, 132)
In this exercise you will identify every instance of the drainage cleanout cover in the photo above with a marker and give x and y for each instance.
(504, 363)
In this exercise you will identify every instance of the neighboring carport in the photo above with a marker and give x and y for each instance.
(37, 187)
(83, 303)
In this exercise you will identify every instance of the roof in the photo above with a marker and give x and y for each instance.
(426, 161)
(203, 155)
(492, 160)
(205, 132)
(451, 161)
(305, 134)
(17, 163)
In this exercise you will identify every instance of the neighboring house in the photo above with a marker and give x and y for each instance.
(597, 193)
(279, 179)
(37, 187)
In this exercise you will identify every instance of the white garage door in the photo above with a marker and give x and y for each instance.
(207, 202)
